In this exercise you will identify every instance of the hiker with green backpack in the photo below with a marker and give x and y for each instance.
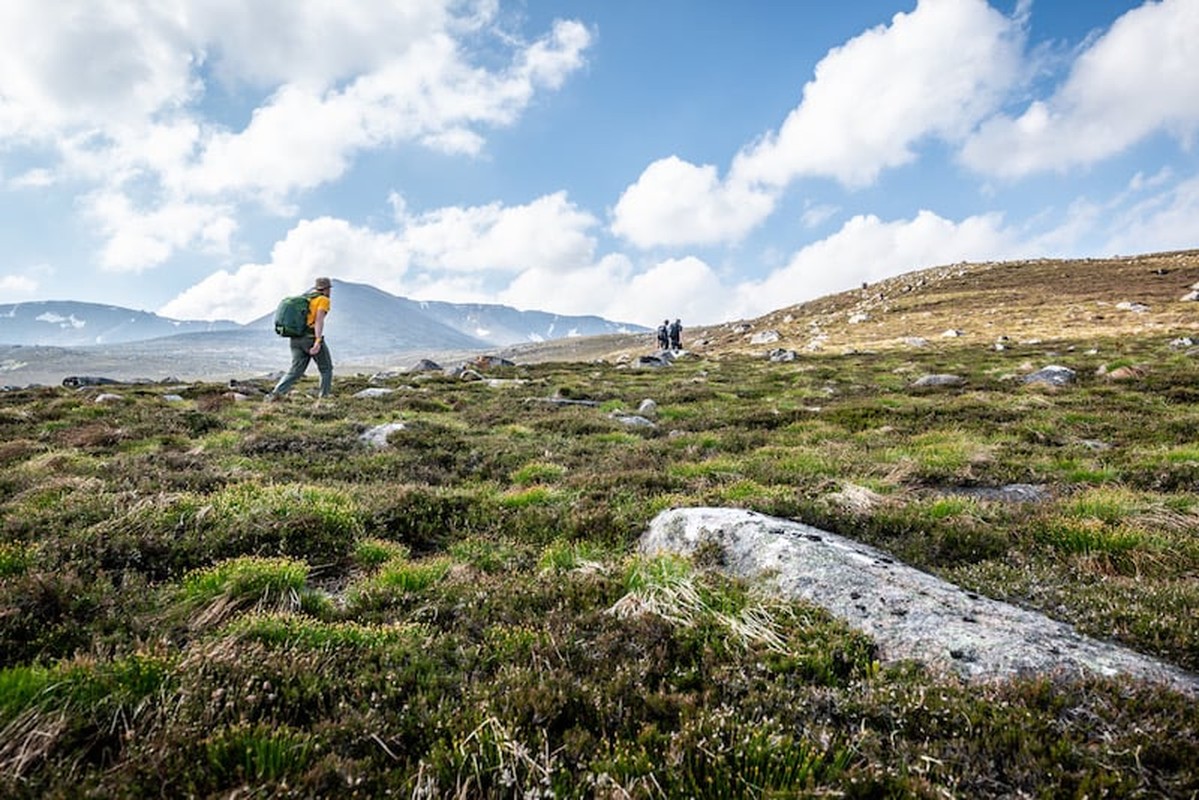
(302, 320)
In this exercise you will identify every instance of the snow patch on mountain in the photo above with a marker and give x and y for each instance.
(61, 321)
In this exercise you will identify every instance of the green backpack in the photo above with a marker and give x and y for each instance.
(291, 316)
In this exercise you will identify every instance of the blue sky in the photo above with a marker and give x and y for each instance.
(635, 159)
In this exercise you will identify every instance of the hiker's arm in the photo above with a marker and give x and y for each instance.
(319, 327)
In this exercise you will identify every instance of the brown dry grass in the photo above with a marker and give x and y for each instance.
(1041, 299)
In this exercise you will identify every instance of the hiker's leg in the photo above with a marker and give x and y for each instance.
(299, 364)
(324, 363)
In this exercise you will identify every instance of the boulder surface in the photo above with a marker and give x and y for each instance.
(910, 614)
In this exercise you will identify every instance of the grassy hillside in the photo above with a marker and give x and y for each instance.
(206, 597)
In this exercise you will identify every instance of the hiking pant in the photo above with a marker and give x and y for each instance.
(300, 345)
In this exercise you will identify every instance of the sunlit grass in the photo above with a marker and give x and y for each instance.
(531, 496)
(302, 631)
(538, 472)
(374, 552)
(460, 613)
(395, 581)
(562, 556)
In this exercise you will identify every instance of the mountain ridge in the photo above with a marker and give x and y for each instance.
(985, 304)
(967, 304)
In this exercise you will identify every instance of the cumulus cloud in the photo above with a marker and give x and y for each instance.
(614, 289)
(868, 249)
(324, 246)
(17, 285)
(549, 233)
(89, 66)
(114, 92)
(677, 203)
(480, 248)
(931, 73)
(1137, 79)
(1169, 219)
(533, 256)
(934, 72)
(137, 239)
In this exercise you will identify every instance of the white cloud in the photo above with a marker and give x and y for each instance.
(110, 93)
(1166, 221)
(676, 203)
(535, 256)
(137, 240)
(934, 72)
(816, 215)
(869, 249)
(614, 289)
(548, 233)
(678, 288)
(33, 179)
(17, 285)
(480, 248)
(98, 66)
(324, 246)
(1139, 78)
(311, 43)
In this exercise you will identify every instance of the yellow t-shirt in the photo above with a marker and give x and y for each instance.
(316, 303)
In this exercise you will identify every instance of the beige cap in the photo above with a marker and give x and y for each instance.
(322, 283)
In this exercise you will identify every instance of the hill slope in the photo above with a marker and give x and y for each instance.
(981, 303)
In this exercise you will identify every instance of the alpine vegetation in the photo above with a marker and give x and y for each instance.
(206, 596)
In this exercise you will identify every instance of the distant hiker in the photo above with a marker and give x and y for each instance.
(676, 335)
(664, 335)
(308, 343)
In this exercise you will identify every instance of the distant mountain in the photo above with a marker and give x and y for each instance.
(64, 323)
(506, 326)
(365, 323)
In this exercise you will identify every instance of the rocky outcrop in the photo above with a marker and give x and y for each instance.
(1052, 375)
(911, 615)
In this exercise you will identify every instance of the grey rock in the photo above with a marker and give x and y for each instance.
(1012, 493)
(173, 398)
(648, 407)
(910, 614)
(764, 337)
(374, 391)
(563, 401)
(939, 380)
(425, 365)
(486, 362)
(633, 420)
(780, 355)
(465, 373)
(108, 397)
(1053, 375)
(378, 435)
(78, 381)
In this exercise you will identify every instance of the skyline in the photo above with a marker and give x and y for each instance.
(634, 161)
